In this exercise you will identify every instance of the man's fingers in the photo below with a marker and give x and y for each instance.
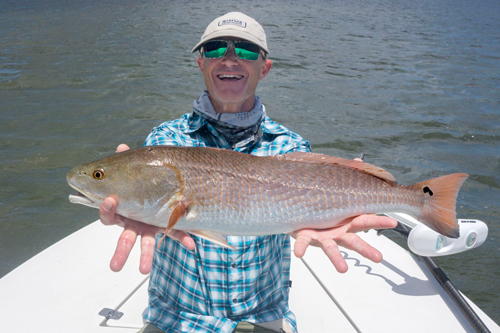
(355, 243)
(125, 244)
(107, 211)
(332, 251)
(182, 237)
(368, 222)
(147, 252)
(301, 244)
(122, 147)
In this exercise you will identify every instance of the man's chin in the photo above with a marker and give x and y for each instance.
(234, 102)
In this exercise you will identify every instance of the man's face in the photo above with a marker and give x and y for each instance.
(231, 82)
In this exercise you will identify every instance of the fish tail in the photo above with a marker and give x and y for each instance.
(438, 212)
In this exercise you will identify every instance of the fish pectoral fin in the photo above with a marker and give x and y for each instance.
(212, 237)
(325, 159)
(179, 210)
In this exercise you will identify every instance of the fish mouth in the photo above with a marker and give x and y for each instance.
(81, 199)
(84, 199)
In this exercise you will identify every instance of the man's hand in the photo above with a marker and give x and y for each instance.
(343, 234)
(132, 229)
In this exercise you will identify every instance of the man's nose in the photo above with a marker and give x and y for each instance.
(230, 55)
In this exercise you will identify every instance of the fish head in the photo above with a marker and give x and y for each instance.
(142, 184)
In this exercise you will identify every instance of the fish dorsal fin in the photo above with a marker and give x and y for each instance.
(326, 160)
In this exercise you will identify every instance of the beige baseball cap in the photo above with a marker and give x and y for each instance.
(235, 24)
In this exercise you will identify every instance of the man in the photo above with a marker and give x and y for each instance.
(195, 285)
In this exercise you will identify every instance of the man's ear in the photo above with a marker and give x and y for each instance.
(266, 67)
(200, 63)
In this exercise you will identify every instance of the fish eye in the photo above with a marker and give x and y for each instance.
(98, 174)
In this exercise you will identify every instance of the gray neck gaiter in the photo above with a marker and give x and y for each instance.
(234, 127)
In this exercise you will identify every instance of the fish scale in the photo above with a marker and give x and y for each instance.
(225, 192)
(250, 199)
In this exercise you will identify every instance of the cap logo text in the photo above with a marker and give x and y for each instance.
(238, 23)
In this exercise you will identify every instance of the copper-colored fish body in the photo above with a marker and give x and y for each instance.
(233, 193)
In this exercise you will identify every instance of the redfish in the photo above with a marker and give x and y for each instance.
(212, 192)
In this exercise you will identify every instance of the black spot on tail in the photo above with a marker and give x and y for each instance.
(428, 190)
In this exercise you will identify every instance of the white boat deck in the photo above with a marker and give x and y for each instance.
(63, 289)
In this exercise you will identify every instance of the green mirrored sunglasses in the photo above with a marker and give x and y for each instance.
(243, 49)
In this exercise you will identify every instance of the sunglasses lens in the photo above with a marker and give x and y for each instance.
(243, 50)
(247, 51)
(215, 49)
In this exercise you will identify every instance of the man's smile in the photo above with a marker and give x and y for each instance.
(229, 76)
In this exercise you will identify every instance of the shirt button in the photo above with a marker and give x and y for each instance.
(235, 300)
(233, 265)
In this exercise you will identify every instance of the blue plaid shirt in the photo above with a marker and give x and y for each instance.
(211, 288)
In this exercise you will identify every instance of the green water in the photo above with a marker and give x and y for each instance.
(412, 85)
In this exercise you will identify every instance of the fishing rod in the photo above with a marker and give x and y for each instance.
(457, 298)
